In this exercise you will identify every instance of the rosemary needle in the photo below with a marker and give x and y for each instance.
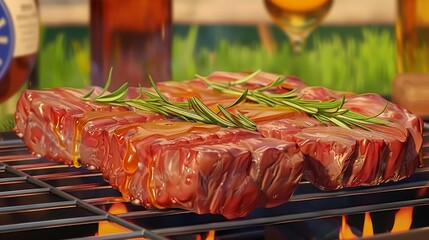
(324, 111)
(192, 110)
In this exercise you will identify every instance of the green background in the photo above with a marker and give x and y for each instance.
(352, 58)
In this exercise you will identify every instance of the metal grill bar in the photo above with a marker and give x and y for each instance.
(121, 236)
(11, 158)
(51, 223)
(24, 191)
(54, 176)
(345, 193)
(152, 214)
(104, 200)
(49, 205)
(12, 179)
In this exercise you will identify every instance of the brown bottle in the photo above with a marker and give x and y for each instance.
(134, 38)
(19, 40)
(19, 71)
(410, 87)
(412, 36)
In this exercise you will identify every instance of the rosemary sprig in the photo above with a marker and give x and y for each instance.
(193, 110)
(325, 111)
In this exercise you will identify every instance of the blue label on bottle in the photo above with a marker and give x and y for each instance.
(6, 39)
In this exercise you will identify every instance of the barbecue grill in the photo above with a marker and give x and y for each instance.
(45, 199)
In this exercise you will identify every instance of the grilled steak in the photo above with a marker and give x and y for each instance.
(166, 163)
(337, 157)
(200, 167)
(195, 162)
(49, 120)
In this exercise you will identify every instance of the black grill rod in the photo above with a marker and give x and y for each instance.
(24, 192)
(62, 175)
(11, 142)
(369, 190)
(38, 206)
(12, 179)
(17, 157)
(51, 223)
(276, 220)
(103, 215)
(120, 236)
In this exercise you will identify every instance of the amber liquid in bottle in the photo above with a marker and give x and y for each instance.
(410, 87)
(134, 38)
(412, 36)
(19, 33)
(19, 71)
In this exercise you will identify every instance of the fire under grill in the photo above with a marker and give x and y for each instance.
(45, 199)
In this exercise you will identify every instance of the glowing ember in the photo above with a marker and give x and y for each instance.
(106, 228)
(118, 208)
(368, 230)
(346, 231)
(403, 219)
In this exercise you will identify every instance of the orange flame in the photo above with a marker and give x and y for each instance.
(106, 227)
(368, 230)
(403, 220)
(210, 236)
(346, 231)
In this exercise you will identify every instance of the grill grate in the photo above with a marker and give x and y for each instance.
(19, 189)
(30, 185)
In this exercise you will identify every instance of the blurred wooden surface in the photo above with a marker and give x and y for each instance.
(344, 12)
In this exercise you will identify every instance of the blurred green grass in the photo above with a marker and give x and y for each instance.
(63, 62)
(342, 63)
(365, 64)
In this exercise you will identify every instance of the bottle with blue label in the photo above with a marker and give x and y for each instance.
(19, 42)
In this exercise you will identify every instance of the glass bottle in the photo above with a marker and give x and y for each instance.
(19, 42)
(412, 36)
(133, 37)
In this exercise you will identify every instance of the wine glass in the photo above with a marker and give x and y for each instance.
(298, 18)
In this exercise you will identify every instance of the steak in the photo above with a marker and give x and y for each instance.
(180, 165)
(48, 120)
(337, 157)
(200, 167)
(168, 163)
